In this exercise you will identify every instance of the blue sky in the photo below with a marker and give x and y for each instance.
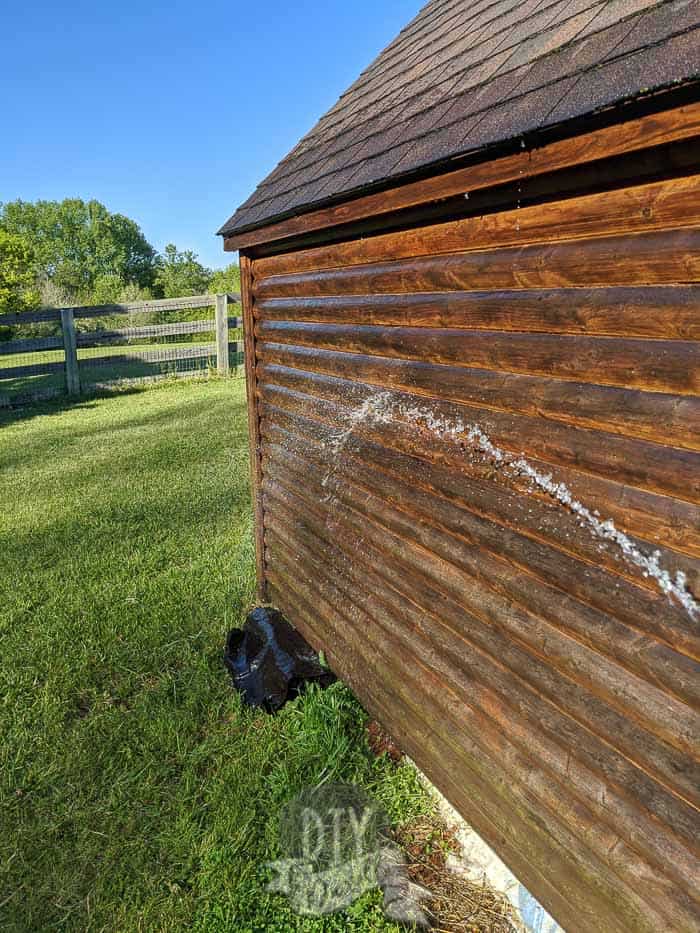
(172, 112)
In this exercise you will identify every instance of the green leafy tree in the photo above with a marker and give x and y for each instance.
(226, 280)
(180, 273)
(78, 243)
(109, 289)
(17, 291)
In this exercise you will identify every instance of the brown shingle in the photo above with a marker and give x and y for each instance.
(464, 75)
(656, 24)
(623, 77)
(543, 43)
(585, 53)
(518, 116)
(616, 10)
(438, 144)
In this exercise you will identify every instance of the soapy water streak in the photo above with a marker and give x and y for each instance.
(382, 408)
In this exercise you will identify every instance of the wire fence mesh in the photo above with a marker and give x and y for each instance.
(116, 345)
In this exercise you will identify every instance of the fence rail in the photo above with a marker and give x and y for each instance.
(99, 338)
(33, 345)
(64, 360)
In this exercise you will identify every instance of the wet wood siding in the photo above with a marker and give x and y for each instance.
(405, 385)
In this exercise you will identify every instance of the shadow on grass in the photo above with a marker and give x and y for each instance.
(60, 403)
(138, 488)
(22, 404)
(89, 399)
(89, 432)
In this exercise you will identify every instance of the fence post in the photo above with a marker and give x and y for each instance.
(222, 366)
(71, 351)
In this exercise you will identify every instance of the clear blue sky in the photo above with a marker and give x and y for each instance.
(172, 112)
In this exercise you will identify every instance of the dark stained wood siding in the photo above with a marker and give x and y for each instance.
(543, 681)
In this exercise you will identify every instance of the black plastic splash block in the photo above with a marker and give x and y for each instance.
(270, 662)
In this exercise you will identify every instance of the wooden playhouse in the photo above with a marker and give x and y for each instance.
(472, 308)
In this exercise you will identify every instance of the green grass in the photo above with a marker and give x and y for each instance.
(137, 793)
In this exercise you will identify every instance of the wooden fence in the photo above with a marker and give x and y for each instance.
(63, 361)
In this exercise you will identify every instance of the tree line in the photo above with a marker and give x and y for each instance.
(75, 252)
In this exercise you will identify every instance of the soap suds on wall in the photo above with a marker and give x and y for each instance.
(383, 408)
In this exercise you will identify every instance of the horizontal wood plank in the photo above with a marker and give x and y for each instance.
(659, 205)
(119, 334)
(650, 659)
(115, 335)
(478, 521)
(671, 366)
(644, 517)
(496, 818)
(482, 681)
(33, 345)
(145, 307)
(474, 484)
(480, 458)
(46, 315)
(667, 312)
(413, 561)
(640, 604)
(659, 417)
(658, 258)
(434, 620)
(534, 792)
(670, 472)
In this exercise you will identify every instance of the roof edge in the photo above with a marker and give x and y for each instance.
(668, 97)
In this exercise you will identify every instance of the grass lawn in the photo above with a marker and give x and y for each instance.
(136, 792)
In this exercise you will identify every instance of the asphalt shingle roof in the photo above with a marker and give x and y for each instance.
(467, 74)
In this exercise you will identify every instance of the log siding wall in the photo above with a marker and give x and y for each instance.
(545, 684)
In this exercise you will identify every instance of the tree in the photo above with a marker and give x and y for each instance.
(77, 243)
(180, 273)
(17, 291)
(226, 280)
(109, 289)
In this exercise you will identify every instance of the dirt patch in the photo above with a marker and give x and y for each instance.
(455, 904)
(381, 743)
